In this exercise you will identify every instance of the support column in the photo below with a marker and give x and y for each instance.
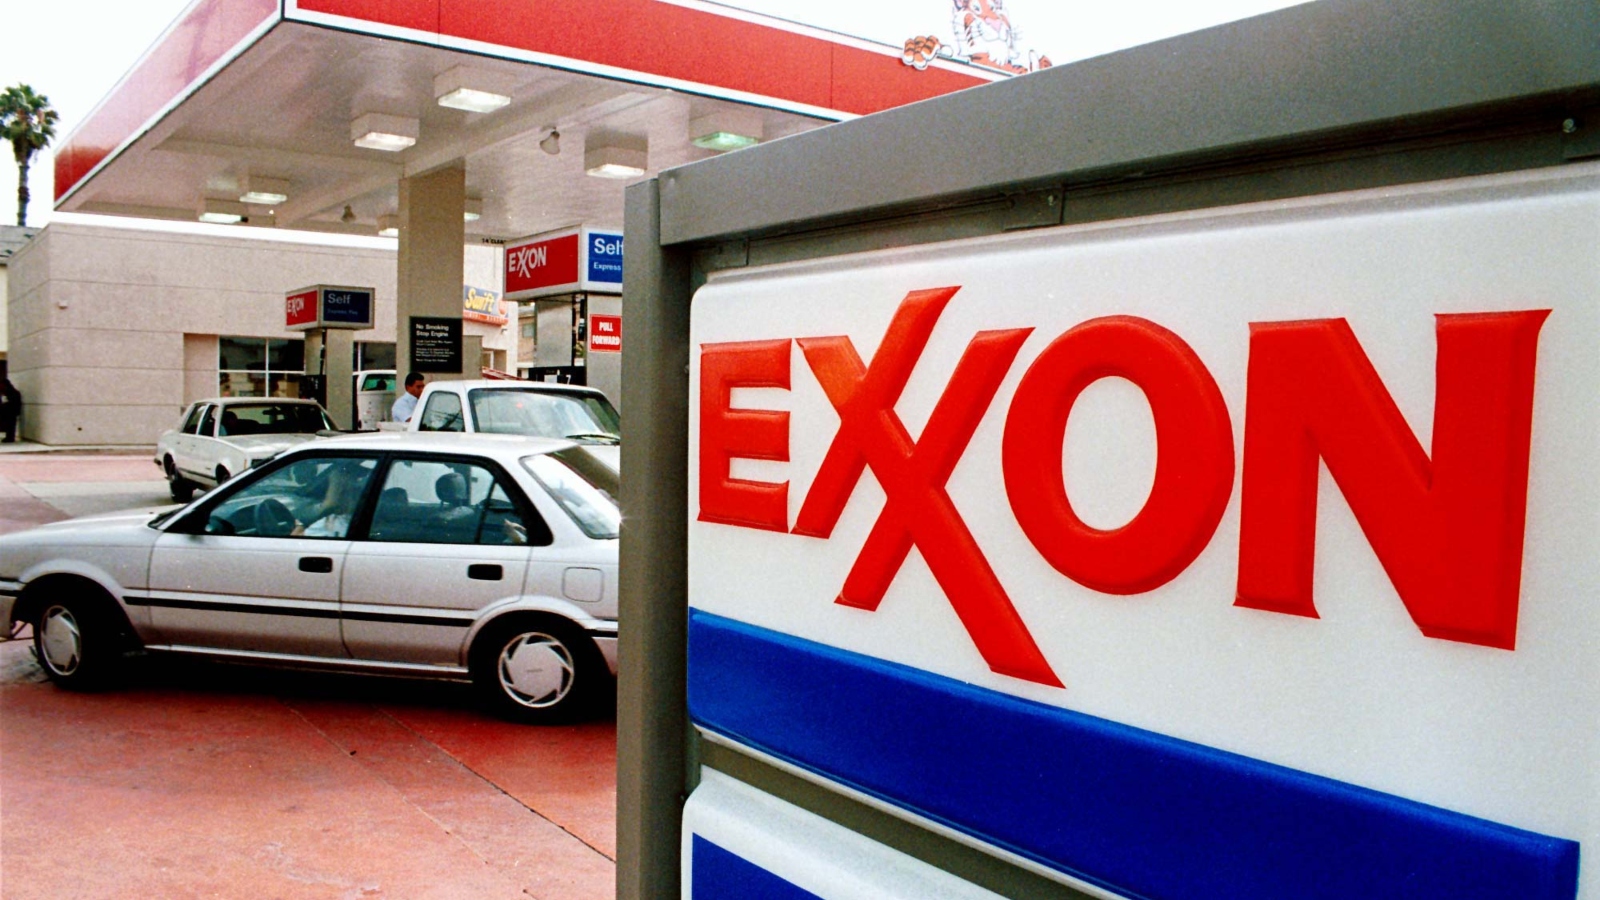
(432, 256)
(339, 371)
(653, 732)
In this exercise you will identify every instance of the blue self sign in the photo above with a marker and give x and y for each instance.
(604, 253)
(343, 306)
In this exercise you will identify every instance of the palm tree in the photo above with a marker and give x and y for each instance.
(28, 122)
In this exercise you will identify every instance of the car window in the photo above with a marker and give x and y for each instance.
(544, 413)
(443, 413)
(377, 383)
(273, 418)
(311, 497)
(450, 502)
(584, 487)
(191, 423)
(208, 422)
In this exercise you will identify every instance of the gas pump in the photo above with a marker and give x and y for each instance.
(328, 314)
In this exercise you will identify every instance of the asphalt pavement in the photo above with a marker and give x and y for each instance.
(203, 780)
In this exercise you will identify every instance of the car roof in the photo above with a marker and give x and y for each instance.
(499, 446)
(235, 401)
(503, 385)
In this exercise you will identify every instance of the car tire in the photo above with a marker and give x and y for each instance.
(77, 640)
(537, 670)
(182, 489)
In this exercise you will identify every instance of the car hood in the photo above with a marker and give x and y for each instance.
(113, 521)
(268, 444)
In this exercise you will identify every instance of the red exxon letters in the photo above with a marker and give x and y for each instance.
(1447, 527)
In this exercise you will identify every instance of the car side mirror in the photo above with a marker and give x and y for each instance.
(219, 525)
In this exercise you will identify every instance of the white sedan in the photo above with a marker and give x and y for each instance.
(217, 439)
(485, 558)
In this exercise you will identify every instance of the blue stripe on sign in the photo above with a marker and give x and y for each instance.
(1130, 810)
(720, 875)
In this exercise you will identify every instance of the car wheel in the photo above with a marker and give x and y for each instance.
(182, 490)
(539, 670)
(77, 642)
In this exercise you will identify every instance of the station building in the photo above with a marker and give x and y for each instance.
(456, 126)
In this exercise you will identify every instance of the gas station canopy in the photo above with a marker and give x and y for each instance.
(307, 113)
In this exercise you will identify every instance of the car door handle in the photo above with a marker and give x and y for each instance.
(320, 564)
(485, 572)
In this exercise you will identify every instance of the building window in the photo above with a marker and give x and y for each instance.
(260, 367)
(528, 329)
(374, 355)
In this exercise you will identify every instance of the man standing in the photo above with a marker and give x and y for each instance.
(406, 403)
(10, 409)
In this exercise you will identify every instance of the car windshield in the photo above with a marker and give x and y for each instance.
(583, 485)
(580, 416)
(239, 419)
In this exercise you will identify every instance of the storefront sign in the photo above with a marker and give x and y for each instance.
(482, 305)
(564, 262)
(605, 334)
(328, 306)
(435, 344)
(1249, 536)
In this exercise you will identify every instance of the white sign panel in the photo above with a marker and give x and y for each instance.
(1266, 532)
(742, 843)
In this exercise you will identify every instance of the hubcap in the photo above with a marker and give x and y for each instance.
(61, 640)
(536, 670)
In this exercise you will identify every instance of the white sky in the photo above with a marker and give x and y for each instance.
(75, 51)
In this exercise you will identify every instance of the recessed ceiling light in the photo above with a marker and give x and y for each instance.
(474, 90)
(474, 100)
(472, 209)
(263, 191)
(724, 130)
(376, 131)
(615, 162)
(222, 212)
(389, 226)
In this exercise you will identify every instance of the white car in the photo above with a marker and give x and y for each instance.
(217, 439)
(537, 408)
(484, 558)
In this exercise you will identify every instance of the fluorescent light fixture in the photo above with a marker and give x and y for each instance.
(472, 209)
(222, 212)
(724, 130)
(388, 226)
(474, 90)
(263, 191)
(376, 131)
(614, 162)
(474, 101)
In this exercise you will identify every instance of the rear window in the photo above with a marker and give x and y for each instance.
(545, 414)
(583, 486)
(272, 418)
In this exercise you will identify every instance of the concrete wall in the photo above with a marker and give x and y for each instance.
(112, 330)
